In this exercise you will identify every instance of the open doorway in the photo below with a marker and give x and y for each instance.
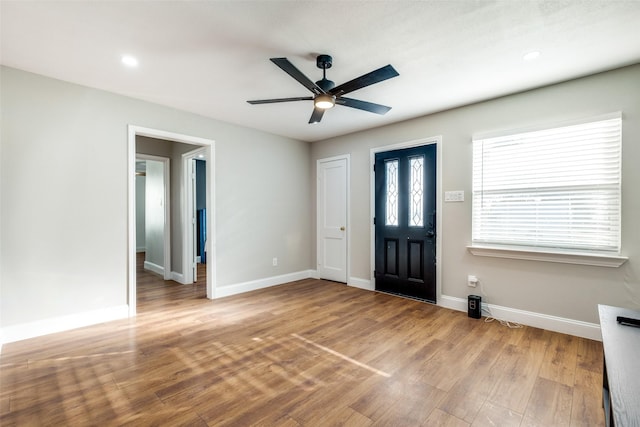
(186, 144)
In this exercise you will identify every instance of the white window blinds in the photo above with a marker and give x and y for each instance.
(556, 188)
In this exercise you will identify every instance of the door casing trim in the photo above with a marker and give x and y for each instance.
(372, 207)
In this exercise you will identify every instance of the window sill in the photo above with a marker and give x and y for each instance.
(600, 260)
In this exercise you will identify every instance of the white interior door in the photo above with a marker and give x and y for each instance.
(189, 226)
(332, 205)
(193, 232)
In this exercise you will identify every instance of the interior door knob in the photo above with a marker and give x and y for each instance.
(342, 228)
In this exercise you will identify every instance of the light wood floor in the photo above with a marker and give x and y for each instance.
(310, 353)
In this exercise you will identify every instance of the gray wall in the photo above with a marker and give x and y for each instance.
(568, 291)
(63, 219)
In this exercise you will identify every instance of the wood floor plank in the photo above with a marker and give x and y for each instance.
(549, 405)
(407, 410)
(319, 407)
(442, 419)
(307, 353)
(590, 355)
(492, 415)
(351, 418)
(463, 404)
(371, 401)
(586, 406)
(475, 384)
(517, 370)
(560, 359)
(445, 371)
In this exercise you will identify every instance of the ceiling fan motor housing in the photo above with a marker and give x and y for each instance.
(324, 61)
(325, 84)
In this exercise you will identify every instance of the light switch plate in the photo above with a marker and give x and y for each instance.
(454, 196)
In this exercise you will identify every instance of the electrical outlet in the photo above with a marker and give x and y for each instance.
(275, 262)
(472, 281)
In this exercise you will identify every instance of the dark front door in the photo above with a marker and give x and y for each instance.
(405, 221)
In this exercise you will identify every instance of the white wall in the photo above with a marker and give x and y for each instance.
(566, 291)
(64, 198)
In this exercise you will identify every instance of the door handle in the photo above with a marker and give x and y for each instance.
(342, 228)
(430, 233)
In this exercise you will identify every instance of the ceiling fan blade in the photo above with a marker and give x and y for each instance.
(365, 80)
(363, 105)
(272, 101)
(316, 116)
(290, 69)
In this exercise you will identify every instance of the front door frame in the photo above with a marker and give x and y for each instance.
(372, 208)
(209, 145)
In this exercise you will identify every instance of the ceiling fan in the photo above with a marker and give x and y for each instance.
(326, 94)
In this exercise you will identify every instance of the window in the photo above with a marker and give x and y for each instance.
(556, 189)
(416, 191)
(392, 192)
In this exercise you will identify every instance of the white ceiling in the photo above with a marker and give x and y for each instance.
(209, 57)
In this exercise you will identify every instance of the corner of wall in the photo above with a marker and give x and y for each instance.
(366, 284)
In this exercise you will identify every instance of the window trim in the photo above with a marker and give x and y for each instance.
(563, 257)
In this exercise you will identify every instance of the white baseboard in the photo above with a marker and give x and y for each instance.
(239, 288)
(63, 323)
(356, 282)
(158, 269)
(178, 277)
(365, 284)
(530, 318)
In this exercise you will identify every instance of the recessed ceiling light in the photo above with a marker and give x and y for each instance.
(129, 61)
(531, 56)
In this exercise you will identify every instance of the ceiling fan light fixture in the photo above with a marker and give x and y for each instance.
(129, 61)
(324, 101)
(531, 56)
